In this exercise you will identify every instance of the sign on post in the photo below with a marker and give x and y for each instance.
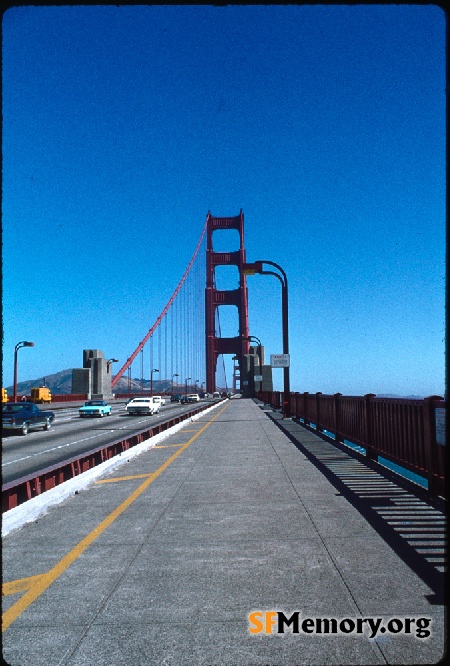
(439, 414)
(258, 378)
(280, 360)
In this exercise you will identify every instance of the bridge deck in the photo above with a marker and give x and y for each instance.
(229, 515)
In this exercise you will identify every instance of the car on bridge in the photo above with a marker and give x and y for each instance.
(193, 397)
(158, 399)
(25, 416)
(143, 406)
(176, 397)
(95, 408)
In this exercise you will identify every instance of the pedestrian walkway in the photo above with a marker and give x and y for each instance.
(185, 555)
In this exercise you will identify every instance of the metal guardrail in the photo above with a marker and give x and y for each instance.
(57, 397)
(405, 432)
(73, 397)
(21, 490)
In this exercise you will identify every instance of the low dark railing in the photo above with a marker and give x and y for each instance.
(57, 397)
(21, 490)
(401, 430)
(69, 397)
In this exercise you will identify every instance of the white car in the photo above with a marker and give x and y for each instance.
(143, 406)
(193, 397)
(216, 395)
(158, 399)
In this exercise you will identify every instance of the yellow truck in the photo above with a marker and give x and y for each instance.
(41, 394)
(4, 395)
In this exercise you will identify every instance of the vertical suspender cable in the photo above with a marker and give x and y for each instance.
(165, 347)
(142, 343)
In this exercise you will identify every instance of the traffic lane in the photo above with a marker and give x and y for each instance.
(27, 455)
(70, 423)
(70, 419)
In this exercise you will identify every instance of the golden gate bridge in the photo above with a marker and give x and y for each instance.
(185, 344)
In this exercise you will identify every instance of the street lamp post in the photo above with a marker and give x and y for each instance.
(175, 375)
(151, 380)
(16, 349)
(110, 362)
(257, 267)
(250, 338)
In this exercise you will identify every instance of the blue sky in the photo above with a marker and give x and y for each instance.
(124, 125)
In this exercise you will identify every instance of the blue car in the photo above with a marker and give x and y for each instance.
(95, 408)
(25, 416)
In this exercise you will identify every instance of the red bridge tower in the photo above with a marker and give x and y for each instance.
(239, 345)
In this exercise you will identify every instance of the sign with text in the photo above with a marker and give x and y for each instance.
(280, 360)
(440, 425)
(258, 378)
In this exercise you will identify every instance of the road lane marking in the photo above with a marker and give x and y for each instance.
(62, 446)
(43, 581)
(20, 585)
(124, 478)
(54, 448)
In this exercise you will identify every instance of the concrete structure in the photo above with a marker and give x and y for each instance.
(260, 368)
(81, 381)
(94, 378)
(267, 382)
(252, 367)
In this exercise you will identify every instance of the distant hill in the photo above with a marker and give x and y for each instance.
(61, 383)
(404, 397)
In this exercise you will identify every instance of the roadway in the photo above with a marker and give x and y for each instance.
(71, 436)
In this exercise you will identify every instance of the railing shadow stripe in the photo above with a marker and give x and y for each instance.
(376, 493)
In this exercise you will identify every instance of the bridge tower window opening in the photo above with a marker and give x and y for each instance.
(225, 373)
(226, 240)
(226, 277)
(227, 321)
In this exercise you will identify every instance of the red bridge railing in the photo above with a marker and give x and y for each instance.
(409, 433)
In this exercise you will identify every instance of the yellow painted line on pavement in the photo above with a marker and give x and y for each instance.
(19, 585)
(42, 582)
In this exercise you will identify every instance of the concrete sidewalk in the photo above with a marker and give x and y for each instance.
(163, 560)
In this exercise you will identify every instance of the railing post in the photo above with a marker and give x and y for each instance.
(305, 405)
(291, 405)
(337, 418)
(369, 418)
(435, 484)
(296, 410)
(318, 425)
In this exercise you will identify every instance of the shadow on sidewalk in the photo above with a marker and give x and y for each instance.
(409, 521)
